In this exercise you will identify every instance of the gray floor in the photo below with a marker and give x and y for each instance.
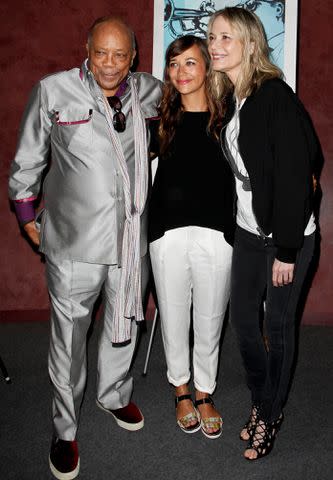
(303, 449)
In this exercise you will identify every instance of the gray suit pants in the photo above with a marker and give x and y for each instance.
(74, 288)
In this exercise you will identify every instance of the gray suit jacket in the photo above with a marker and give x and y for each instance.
(83, 191)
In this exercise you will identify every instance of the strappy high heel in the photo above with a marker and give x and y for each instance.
(262, 440)
(276, 425)
(251, 424)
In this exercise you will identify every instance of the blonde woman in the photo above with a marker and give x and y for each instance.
(270, 144)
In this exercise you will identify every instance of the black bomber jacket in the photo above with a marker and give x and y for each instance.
(279, 148)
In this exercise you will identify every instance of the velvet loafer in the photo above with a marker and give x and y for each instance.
(129, 417)
(64, 459)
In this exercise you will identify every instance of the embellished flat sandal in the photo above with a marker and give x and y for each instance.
(186, 423)
(208, 423)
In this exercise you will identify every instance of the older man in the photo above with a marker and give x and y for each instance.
(92, 231)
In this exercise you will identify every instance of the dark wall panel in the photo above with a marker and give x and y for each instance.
(315, 88)
(40, 37)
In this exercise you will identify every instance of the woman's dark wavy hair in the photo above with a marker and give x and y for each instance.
(171, 108)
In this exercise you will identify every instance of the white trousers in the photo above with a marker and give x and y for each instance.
(191, 265)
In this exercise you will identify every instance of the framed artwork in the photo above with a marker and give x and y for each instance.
(174, 18)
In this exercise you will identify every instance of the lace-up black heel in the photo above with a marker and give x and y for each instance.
(262, 440)
(276, 425)
(251, 424)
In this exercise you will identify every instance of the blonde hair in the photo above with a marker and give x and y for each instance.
(256, 66)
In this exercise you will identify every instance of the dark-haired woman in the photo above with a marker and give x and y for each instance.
(271, 146)
(190, 232)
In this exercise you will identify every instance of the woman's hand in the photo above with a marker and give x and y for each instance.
(282, 273)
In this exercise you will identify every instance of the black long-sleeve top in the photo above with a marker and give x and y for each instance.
(193, 184)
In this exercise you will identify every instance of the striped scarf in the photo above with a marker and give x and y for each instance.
(128, 303)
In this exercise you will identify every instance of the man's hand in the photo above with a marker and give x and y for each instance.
(32, 232)
(282, 273)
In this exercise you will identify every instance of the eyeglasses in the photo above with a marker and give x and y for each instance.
(119, 119)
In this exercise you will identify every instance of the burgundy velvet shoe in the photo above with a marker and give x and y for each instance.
(64, 459)
(129, 417)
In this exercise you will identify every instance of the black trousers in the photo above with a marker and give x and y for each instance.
(268, 373)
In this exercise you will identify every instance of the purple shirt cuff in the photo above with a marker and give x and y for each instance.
(25, 211)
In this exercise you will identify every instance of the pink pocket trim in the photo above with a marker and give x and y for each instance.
(75, 122)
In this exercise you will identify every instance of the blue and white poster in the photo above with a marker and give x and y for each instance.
(174, 18)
